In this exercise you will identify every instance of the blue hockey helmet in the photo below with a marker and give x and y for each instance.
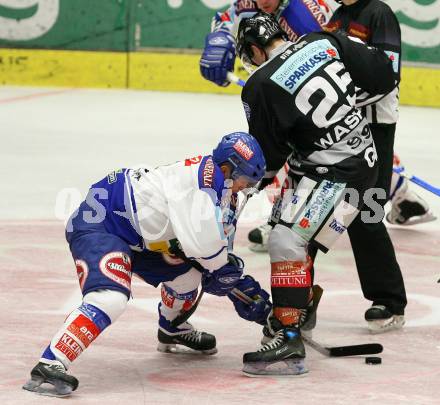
(242, 151)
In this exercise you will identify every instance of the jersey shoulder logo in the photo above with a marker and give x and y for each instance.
(208, 173)
(193, 160)
(359, 31)
(112, 177)
(244, 5)
(303, 63)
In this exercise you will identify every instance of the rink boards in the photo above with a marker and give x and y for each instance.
(158, 71)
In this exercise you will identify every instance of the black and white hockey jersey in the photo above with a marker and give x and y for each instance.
(374, 23)
(302, 103)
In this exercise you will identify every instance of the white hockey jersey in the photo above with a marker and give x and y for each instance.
(186, 202)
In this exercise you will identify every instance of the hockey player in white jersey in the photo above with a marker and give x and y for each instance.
(171, 224)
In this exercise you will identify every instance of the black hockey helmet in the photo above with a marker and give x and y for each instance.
(258, 30)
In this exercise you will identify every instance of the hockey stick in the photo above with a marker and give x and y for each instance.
(344, 351)
(235, 79)
(338, 351)
(184, 316)
(418, 181)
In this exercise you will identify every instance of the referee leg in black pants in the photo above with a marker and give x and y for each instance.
(379, 273)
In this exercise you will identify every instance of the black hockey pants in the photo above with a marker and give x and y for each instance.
(378, 270)
(379, 273)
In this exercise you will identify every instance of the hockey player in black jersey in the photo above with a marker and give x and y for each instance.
(300, 105)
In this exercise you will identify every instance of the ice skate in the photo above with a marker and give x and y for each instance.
(281, 356)
(380, 319)
(408, 208)
(197, 342)
(51, 379)
(259, 238)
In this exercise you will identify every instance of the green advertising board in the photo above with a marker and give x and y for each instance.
(122, 25)
(420, 25)
(64, 24)
(155, 44)
(184, 23)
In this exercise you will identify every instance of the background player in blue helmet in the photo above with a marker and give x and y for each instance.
(296, 17)
(171, 225)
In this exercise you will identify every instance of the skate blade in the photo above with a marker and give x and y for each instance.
(386, 325)
(179, 349)
(56, 389)
(415, 220)
(308, 333)
(283, 368)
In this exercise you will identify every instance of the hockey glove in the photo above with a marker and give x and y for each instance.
(223, 280)
(259, 309)
(218, 57)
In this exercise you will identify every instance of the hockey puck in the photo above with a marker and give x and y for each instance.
(373, 360)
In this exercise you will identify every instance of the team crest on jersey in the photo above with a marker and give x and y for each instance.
(243, 150)
(82, 270)
(117, 267)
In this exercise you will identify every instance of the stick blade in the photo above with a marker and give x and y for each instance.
(355, 350)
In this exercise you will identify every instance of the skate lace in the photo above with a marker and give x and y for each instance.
(58, 368)
(194, 336)
(55, 367)
(276, 341)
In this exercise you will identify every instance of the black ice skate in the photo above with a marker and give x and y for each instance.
(259, 238)
(408, 208)
(51, 380)
(282, 356)
(199, 342)
(380, 319)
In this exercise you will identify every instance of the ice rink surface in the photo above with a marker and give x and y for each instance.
(55, 143)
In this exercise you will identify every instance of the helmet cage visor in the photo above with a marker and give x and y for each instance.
(244, 169)
(248, 63)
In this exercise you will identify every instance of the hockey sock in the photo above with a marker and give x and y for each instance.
(291, 283)
(172, 305)
(80, 329)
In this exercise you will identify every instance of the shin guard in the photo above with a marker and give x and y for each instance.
(80, 329)
(291, 282)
